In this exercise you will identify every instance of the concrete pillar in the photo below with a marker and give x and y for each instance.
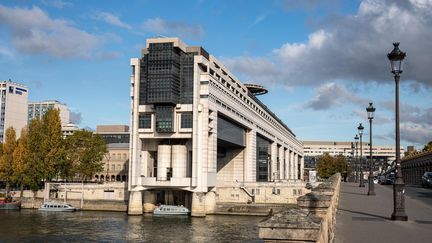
(296, 161)
(287, 165)
(210, 202)
(273, 168)
(135, 203)
(302, 168)
(292, 176)
(149, 201)
(179, 160)
(281, 162)
(250, 157)
(164, 161)
(198, 204)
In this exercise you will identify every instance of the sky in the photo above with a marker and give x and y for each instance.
(322, 61)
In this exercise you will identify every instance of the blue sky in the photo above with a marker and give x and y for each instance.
(322, 61)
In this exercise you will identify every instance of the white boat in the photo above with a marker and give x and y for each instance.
(57, 207)
(171, 210)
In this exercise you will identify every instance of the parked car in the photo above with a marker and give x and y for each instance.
(427, 179)
(388, 179)
(381, 180)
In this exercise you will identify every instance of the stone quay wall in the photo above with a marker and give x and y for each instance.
(313, 219)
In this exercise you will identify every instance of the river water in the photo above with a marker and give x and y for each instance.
(34, 226)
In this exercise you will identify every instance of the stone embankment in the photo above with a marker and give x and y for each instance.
(312, 220)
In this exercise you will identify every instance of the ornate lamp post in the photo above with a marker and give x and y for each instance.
(356, 138)
(396, 57)
(360, 130)
(370, 111)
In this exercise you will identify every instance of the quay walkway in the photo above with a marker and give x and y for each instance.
(362, 218)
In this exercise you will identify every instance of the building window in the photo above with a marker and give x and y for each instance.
(186, 120)
(145, 120)
(164, 118)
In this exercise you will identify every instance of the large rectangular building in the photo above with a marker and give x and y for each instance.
(13, 107)
(38, 109)
(196, 128)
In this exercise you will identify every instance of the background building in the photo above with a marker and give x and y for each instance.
(382, 156)
(38, 109)
(198, 134)
(13, 105)
(116, 161)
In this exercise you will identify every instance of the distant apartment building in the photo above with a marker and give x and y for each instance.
(381, 154)
(38, 109)
(13, 103)
(116, 160)
(69, 129)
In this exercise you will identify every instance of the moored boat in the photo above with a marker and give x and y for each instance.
(171, 210)
(8, 204)
(57, 207)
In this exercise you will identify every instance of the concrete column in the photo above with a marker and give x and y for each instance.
(296, 160)
(164, 161)
(281, 162)
(135, 203)
(179, 160)
(273, 170)
(250, 157)
(302, 168)
(198, 204)
(292, 176)
(287, 165)
(149, 201)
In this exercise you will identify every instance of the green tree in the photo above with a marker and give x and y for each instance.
(52, 144)
(428, 147)
(35, 155)
(328, 165)
(21, 163)
(85, 152)
(6, 159)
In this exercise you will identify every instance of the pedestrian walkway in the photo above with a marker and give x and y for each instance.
(363, 218)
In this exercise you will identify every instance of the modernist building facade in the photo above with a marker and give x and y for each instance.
(13, 107)
(116, 160)
(196, 128)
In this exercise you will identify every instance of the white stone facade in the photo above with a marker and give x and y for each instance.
(13, 105)
(197, 163)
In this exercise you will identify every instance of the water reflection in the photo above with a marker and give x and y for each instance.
(33, 225)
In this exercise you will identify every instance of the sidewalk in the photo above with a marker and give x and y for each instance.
(362, 218)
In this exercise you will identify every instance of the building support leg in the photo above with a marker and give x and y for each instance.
(135, 203)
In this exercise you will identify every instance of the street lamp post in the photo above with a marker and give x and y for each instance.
(360, 130)
(356, 138)
(352, 161)
(370, 111)
(396, 57)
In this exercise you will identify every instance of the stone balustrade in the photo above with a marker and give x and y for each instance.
(312, 220)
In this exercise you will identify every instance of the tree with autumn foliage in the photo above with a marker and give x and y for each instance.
(21, 163)
(6, 159)
(85, 151)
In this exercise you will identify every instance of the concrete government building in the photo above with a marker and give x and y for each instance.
(200, 137)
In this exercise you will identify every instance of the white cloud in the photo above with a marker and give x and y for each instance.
(32, 31)
(174, 28)
(112, 19)
(354, 47)
(416, 133)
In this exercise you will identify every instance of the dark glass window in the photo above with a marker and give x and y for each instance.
(144, 120)
(186, 120)
(164, 118)
(262, 158)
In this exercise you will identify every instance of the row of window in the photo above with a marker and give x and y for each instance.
(164, 123)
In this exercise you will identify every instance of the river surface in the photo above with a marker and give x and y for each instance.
(34, 226)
